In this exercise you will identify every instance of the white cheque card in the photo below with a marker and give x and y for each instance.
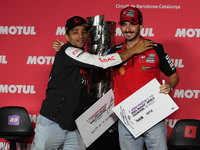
(145, 108)
(97, 119)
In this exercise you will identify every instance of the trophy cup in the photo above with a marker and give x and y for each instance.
(101, 39)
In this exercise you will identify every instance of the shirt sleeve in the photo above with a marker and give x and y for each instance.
(165, 63)
(91, 60)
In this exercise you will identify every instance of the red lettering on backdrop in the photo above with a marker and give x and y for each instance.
(190, 131)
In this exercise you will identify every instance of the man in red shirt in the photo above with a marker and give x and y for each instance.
(135, 73)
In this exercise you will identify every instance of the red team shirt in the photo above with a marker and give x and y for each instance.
(139, 70)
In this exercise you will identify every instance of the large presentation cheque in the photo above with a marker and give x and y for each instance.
(97, 119)
(145, 108)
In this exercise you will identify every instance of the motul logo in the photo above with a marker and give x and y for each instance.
(190, 93)
(187, 32)
(20, 30)
(107, 60)
(25, 89)
(146, 32)
(3, 59)
(41, 60)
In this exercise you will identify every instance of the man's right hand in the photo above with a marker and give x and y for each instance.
(142, 46)
(138, 48)
(58, 44)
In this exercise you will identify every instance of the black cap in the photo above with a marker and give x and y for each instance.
(75, 21)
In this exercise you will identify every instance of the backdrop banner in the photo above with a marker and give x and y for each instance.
(29, 28)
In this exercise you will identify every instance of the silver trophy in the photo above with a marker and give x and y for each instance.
(101, 39)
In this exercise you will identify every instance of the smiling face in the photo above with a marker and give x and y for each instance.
(77, 36)
(130, 31)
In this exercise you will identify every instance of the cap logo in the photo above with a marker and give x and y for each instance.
(129, 13)
(77, 20)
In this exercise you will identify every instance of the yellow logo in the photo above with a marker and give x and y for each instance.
(122, 70)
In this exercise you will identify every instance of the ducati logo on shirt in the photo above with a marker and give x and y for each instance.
(147, 58)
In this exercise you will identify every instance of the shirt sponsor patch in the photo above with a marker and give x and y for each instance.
(80, 54)
(170, 62)
(122, 71)
(75, 52)
(148, 58)
(108, 59)
(146, 68)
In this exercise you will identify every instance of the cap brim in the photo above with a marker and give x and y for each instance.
(88, 26)
(129, 20)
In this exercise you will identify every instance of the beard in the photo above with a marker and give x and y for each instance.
(136, 35)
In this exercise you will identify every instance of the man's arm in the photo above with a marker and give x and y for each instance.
(138, 48)
(173, 81)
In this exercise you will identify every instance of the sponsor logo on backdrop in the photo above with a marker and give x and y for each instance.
(20, 146)
(33, 118)
(144, 32)
(41, 60)
(178, 63)
(25, 89)
(17, 30)
(171, 122)
(149, 6)
(60, 31)
(181, 93)
(187, 32)
(3, 59)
